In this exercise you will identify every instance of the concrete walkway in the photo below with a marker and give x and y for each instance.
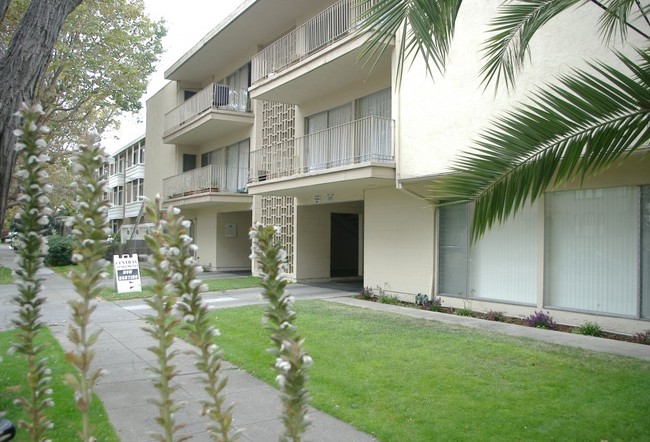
(122, 350)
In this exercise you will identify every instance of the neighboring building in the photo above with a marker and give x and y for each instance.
(125, 176)
(272, 118)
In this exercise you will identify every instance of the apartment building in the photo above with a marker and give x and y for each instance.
(125, 175)
(272, 118)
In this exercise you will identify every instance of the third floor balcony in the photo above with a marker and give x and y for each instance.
(212, 112)
(318, 56)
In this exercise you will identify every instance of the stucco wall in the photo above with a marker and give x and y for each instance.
(398, 242)
(233, 251)
(160, 158)
(440, 116)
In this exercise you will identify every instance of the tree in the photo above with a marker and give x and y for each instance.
(21, 67)
(99, 69)
(577, 128)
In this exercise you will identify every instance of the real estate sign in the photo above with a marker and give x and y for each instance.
(126, 269)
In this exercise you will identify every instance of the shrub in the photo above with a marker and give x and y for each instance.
(463, 312)
(434, 304)
(642, 337)
(367, 294)
(493, 315)
(590, 329)
(540, 320)
(59, 250)
(388, 299)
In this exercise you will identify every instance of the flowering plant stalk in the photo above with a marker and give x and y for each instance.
(31, 221)
(91, 228)
(197, 324)
(162, 323)
(291, 360)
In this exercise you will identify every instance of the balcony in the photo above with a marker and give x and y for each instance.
(212, 112)
(361, 150)
(135, 172)
(315, 58)
(116, 179)
(208, 185)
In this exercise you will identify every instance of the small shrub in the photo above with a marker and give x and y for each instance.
(367, 294)
(434, 304)
(59, 250)
(642, 337)
(493, 315)
(590, 329)
(463, 312)
(540, 320)
(388, 299)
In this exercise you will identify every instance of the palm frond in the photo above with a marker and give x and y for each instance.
(505, 50)
(574, 129)
(425, 28)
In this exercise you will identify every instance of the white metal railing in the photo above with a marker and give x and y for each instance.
(207, 179)
(330, 25)
(366, 140)
(215, 96)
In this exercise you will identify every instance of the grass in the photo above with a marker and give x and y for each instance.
(65, 270)
(401, 378)
(64, 415)
(5, 276)
(214, 285)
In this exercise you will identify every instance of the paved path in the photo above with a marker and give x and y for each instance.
(122, 349)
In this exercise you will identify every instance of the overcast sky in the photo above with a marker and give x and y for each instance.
(187, 22)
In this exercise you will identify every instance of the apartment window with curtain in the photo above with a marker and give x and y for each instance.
(596, 253)
(231, 164)
(500, 266)
(232, 91)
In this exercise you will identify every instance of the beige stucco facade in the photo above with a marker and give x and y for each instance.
(340, 156)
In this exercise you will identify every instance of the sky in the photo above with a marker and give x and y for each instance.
(186, 25)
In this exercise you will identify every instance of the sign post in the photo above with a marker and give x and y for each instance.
(126, 269)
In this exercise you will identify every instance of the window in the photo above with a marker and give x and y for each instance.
(231, 165)
(596, 253)
(500, 266)
(328, 148)
(118, 196)
(591, 243)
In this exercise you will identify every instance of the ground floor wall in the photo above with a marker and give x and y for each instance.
(398, 243)
(222, 238)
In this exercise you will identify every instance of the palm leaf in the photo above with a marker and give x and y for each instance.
(506, 49)
(574, 129)
(424, 27)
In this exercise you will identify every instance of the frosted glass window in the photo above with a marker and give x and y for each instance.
(502, 265)
(452, 250)
(645, 251)
(592, 249)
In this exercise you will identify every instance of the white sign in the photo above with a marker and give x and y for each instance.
(126, 269)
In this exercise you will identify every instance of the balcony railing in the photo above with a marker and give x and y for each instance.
(206, 180)
(368, 140)
(215, 96)
(330, 25)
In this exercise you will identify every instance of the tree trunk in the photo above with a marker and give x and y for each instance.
(21, 68)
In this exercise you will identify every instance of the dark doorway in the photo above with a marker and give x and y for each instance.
(189, 162)
(344, 245)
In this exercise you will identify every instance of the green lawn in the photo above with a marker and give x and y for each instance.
(5, 276)
(65, 270)
(64, 415)
(405, 379)
(214, 285)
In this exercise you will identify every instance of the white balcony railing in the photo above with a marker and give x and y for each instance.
(330, 25)
(215, 96)
(206, 180)
(368, 140)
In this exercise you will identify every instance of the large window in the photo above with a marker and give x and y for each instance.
(596, 253)
(232, 165)
(500, 266)
(592, 250)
